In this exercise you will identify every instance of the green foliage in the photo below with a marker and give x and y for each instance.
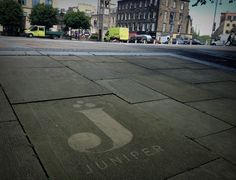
(77, 20)
(11, 15)
(44, 15)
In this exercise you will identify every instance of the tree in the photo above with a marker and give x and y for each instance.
(203, 2)
(77, 20)
(11, 15)
(44, 15)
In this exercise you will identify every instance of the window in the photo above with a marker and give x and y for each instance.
(172, 17)
(154, 15)
(35, 2)
(227, 24)
(163, 27)
(146, 3)
(153, 26)
(22, 2)
(227, 32)
(229, 18)
(167, 2)
(174, 4)
(233, 25)
(140, 4)
(150, 3)
(234, 18)
(182, 6)
(164, 16)
(171, 28)
(48, 2)
(179, 28)
(155, 2)
(180, 16)
(41, 29)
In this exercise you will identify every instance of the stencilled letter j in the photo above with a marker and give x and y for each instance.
(86, 141)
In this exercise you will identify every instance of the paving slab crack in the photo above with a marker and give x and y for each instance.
(189, 169)
(27, 137)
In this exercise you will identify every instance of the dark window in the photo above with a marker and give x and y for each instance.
(234, 18)
(229, 18)
(172, 17)
(233, 25)
(22, 2)
(228, 24)
(227, 32)
(41, 29)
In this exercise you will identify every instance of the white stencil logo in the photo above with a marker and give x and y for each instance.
(87, 142)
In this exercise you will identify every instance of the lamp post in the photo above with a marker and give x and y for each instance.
(103, 8)
(214, 20)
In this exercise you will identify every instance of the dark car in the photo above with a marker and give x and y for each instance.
(141, 39)
(194, 42)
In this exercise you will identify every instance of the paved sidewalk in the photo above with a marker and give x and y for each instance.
(115, 117)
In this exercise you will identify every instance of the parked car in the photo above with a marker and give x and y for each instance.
(194, 42)
(141, 39)
(217, 43)
(178, 41)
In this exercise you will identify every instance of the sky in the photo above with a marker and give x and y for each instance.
(202, 15)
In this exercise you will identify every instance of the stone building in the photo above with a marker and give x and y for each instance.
(27, 6)
(109, 20)
(227, 24)
(156, 17)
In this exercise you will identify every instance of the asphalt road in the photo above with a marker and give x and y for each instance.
(222, 55)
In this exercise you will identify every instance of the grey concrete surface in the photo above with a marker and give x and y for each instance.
(174, 88)
(99, 71)
(224, 89)
(6, 113)
(199, 76)
(164, 62)
(35, 84)
(16, 62)
(224, 109)
(131, 91)
(217, 170)
(133, 145)
(184, 119)
(17, 159)
(223, 143)
(90, 115)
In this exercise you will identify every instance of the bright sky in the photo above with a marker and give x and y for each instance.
(202, 15)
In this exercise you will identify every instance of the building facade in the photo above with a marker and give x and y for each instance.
(27, 6)
(108, 19)
(156, 17)
(227, 24)
(87, 8)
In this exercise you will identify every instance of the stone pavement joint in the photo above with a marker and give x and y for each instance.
(193, 168)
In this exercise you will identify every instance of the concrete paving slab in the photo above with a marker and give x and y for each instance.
(8, 62)
(184, 119)
(6, 113)
(224, 109)
(65, 58)
(105, 59)
(12, 53)
(18, 160)
(173, 88)
(106, 138)
(37, 84)
(160, 58)
(223, 143)
(99, 71)
(217, 170)
(225, 89)
(131, 91)
(200, 76)
(164, 63)
(32, 53)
